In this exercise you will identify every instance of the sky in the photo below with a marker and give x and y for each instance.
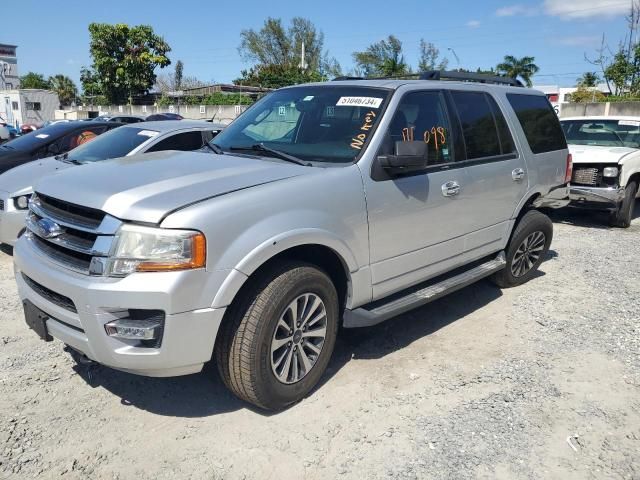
(205, 35)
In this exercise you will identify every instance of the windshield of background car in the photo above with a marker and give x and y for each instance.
(42, 136)
(115, 143)
(605, 133)
(315, 123)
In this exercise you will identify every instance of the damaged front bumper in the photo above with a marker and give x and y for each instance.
(607, 198)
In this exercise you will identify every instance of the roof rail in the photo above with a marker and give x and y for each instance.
(445, 75)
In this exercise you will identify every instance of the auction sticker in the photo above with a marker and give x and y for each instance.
(629, 123)
(371, 102)
(42, 135)
(147, 133)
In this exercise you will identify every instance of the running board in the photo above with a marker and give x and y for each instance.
(380, 310)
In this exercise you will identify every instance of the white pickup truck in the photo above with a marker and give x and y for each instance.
(606, 164)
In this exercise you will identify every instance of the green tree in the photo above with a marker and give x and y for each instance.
(586, 94)
(124, 59)
(383, 58)
(177, 75)
(430, 57)
(276, 76)
(64, 87)
(34, 80)
(620, 71)
(518, 67)
(588, 79)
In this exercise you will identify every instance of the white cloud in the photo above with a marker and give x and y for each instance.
(575, 9)
(473, 24)
(578, 41)
(513, 10)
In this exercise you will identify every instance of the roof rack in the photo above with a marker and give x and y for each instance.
(446, 75)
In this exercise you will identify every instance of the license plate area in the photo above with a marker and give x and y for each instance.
(36, 319)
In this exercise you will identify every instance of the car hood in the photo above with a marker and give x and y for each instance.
(19, 180)
(596, 154)
(146, 188)
(11, 158)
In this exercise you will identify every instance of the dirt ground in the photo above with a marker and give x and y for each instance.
(540, 381)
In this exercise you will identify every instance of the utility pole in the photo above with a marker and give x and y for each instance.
(303, 63)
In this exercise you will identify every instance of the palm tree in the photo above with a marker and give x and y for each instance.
(64, 87)
(518, 67)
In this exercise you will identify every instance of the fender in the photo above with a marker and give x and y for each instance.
(278, 244)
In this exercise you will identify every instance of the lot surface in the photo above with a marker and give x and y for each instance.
(482, 384)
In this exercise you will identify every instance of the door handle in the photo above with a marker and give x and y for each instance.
(517, 174)
(451, 189)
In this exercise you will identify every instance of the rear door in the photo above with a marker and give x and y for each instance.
(496, 171)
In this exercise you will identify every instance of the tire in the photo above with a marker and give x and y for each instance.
(243, 353)
(537, 229)
(624, 214)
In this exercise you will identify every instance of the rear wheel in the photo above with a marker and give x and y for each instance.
(279, 338)
(624, 214)
(526, 251)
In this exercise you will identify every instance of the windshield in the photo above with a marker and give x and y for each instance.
(42, 136)
(605, 133)
(315, 123)
(112, 144)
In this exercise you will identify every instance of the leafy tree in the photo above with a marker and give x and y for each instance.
(430, 57)
(177, 76)
(276, 76)
(518, 67)
(167, 83)
(34, 80)
(383, 58)
(585, 94)
(124, 59)
(588, 79)
(620, 71)
(64, 87)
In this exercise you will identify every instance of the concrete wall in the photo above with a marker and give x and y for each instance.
(631, 109)
(220, 113)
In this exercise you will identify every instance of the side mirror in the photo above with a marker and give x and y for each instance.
(409, 157)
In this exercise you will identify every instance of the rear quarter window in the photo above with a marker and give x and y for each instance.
(539, 122)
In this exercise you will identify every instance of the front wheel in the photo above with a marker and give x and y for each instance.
(279, 338)
(624, 214)
(527, 249)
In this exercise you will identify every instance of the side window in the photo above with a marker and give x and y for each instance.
(421, 117)
(539, 122)
(478, 126)
(506, 140)
(186, 141)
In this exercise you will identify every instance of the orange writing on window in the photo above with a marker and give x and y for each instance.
(435, 136)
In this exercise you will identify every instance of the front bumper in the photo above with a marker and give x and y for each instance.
(596, 197)
(188, 338)
(11, 225)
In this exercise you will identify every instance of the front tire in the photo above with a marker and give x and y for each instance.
(624, 214)
(527, 249)
(279, 337)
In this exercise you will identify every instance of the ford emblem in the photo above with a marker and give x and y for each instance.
(47, 228)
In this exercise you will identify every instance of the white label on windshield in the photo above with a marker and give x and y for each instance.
(42, 135)
(147, 133)
(372, 102)
(629, 123)
(307, 98)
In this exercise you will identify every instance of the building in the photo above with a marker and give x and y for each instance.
(9, 79)
(558, 95)
(18, 107)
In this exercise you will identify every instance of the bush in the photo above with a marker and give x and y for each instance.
(217, 98)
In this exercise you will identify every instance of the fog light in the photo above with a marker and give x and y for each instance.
(610, 172)
(129, 329)
(22, 202)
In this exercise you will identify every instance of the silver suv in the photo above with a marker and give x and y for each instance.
(333, 204)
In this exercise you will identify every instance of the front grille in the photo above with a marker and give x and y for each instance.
(585, 176)
(48, 294)
(79, 235)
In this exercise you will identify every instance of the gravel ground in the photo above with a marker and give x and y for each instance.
(539, 381)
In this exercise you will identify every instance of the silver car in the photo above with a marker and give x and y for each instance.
(340, 203)
(16, 184)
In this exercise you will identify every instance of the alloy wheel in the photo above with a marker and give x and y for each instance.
(528, 253)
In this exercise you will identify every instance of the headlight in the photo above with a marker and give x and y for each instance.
(145, 249)
(610, 172)
(21, 202)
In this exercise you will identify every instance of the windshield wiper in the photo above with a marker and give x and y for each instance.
(65, 158)
(215, 148)
(260, 147)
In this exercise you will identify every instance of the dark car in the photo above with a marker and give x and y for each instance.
(164, 116)
(119, 119)
(48, 141)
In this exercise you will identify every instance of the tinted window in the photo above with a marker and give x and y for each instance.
(421, 117)
(181, 141)
(539, 122)
(478, 126)
(115, 143)
(506, 141)
(41, 137)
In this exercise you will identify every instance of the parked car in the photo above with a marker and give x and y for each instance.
(16, 184)
(13, 131)
(5, 135)
(29, 127)
(344, 202)
(606, 157)
(164, 116)
(49, 141)
(120, 118)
